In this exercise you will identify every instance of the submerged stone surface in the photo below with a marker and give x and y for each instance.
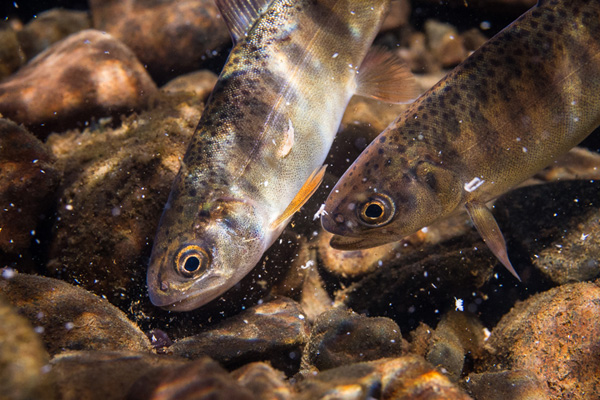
(87, 75)
(171, 37)
(28, 181)
(68, 317)
(553, 336)
(275, 331)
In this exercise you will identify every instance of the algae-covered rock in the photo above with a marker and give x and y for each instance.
(104, 375)
(202, 379)
(553, 336)
(340, 337)
(87, 75)
(11, 53)
(404, 378)
(275, 331)
(264, 381)
(514, 385)
(23, 359)
(28, 181)
(68, 317)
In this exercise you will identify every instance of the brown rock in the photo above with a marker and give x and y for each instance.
(104, 375)
(11, 54)
(445, 43)
(404, 378)
(398, 15)
(23, 359)
(28, 181)
(116, 182)
(514, 385)
(200, 82)
(49, 27)
(202, 379)
(69, 317)
(275, 331)
(263, 381)
(553, 336)
(340, 337)
(557, 225)
(87, 75)
(171, 37)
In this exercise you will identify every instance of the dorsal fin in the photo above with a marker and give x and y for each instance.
(308, 189)
(384, 76)
(240, 15)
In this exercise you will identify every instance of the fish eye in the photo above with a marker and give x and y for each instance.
(191, 261)
(376, 211)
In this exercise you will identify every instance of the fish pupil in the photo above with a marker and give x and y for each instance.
(374, 211)
(192, 264)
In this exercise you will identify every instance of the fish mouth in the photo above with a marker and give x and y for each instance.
(349, 243)
(186, 297)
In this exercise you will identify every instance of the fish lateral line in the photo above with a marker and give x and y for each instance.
(490, 232)
(306, 191)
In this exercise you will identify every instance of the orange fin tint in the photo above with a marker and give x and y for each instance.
(490, 232)
(384, 76)
(307, 190)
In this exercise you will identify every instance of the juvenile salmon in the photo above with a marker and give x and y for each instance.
(524, 98)
(257, 153)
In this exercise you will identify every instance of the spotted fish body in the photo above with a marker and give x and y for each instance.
(525, 97)
(264, 133)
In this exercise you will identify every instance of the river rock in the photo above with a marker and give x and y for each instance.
(404, 378)
(11, 53)
(50, 27)
(23, 359)
(105, 375)
(275, 331)
(86, 75)
(202, 379)
(553, 337)
(28, 181)
(170, 37)
(68, 317)
(340, 337)
(263, 381)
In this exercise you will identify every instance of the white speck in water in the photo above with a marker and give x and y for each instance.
(584, 236)
(486, 334)
(69, 207)
(524, 149)
(458, 304)
(245, 321)
(573, 102)
(576, 119)
(301, 316)
(321, 211)
(420, 136)
(69, 326)
(8, 273)
(38, 329)
(266, 183)
(308, 264)
(116, 211)
(485, 25)
(335, 55)
(473, 184)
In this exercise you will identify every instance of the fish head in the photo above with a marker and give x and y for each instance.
(202, 249)
(389, 192)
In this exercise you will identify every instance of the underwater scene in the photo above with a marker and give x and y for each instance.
(299, 199)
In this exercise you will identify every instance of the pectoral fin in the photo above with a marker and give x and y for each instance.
(308, 189)
(490, 232)
(384, 76)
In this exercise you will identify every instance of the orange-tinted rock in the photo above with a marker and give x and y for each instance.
(171, 37)
(11, 54)
(88, 74)
(554, 337)
(28, 181)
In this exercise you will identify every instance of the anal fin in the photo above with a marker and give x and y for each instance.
(490, 232)
(306, 191)
(384, 76)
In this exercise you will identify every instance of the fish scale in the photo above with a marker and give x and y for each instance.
(525, 97)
